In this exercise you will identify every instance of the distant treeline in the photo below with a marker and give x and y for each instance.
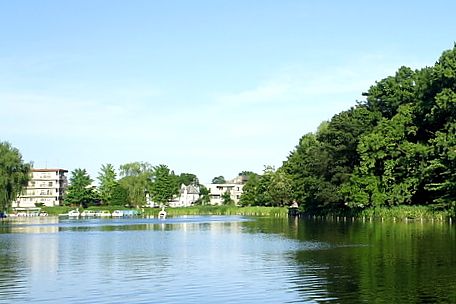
(398, 147)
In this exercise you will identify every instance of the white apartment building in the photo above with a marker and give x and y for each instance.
(46, 187)
(217, 190)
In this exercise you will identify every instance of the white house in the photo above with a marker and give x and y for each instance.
(188, 195)
(217, 190)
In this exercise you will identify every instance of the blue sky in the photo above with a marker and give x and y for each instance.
(206, 87)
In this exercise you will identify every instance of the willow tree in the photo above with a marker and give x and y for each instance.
(136, 179)
(14, 175)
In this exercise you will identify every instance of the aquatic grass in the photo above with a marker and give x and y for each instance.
(221, 210)
(395, 213)
(405, 213)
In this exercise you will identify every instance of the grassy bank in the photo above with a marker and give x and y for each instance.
(65, 209)
(194, 210)
(221, 210)
(398, 213)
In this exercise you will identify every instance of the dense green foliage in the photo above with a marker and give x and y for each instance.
(165, 184)
(188, 179)
(272, 188)
(136, 180)
(226, 198)
(108, 183)
(14, 175)
(218, 180)
(119, 196)
(204, 198)
(140, 178)
(398, 147)
(80, 191)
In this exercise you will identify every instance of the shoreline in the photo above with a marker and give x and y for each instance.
(399, 213)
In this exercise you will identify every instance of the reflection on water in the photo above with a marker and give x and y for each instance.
(224, 260)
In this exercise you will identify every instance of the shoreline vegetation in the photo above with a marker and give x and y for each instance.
(399, 213)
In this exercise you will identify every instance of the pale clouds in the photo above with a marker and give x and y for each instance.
(76, 117)
(269, 92)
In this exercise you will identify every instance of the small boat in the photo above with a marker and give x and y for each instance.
(103, 213)
(130, 212)
(74, 213)
(88, 213)
(162, 214)
(117, 213)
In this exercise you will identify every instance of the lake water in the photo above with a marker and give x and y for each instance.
(225, 259)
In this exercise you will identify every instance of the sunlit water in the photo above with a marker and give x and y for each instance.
(225, 260)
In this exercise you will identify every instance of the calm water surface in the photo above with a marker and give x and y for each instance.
(225, 260)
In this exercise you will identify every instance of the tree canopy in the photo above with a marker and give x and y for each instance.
(80, 191)
(14, 175)
(137, 181)
(108, 182)
(188, 179)
(218, 180)
(165, 184)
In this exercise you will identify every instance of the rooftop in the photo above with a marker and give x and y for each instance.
(49, 170)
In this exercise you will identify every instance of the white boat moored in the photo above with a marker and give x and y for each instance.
(103, 213)
(117, 213)
(88, 213)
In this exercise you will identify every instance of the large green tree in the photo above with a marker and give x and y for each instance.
(119, 196)
(165, 184)
(218, 180)
(280, 188)
(14, 175)
(441, 170)
(392, 164)
(307, 167)
(249, 191)
(188, 179)
(272, 188)
(80, 191)
(108, 182)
